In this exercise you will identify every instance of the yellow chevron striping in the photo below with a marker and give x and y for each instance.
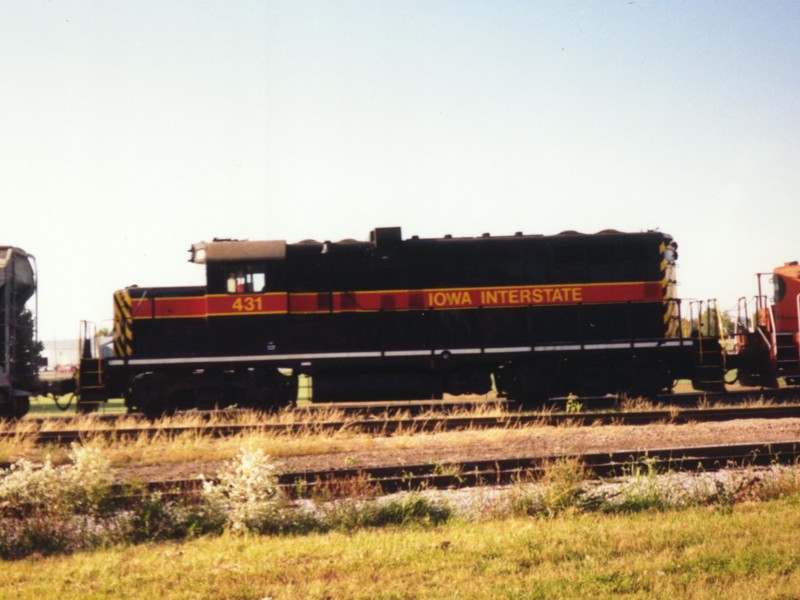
(123, 333)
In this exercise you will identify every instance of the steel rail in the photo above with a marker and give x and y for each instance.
(454, 475)
(422, 407)
(389, 426)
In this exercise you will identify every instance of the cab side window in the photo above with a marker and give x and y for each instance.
(245, 281)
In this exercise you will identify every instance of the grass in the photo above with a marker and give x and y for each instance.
(556, 538)
(42, 406)
(169, 448)
(194, 445)
(749, 552)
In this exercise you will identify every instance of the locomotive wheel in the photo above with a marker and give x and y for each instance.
(85, 408)
(465, 381)
(11, 409)
(288, 392)
(147, 395)
(269, 390)
(647, 378)
(529, 384)
(591, 380)
(281, 390)
(745, 376)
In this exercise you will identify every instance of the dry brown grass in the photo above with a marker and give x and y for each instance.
(165, 443)
(637, 404)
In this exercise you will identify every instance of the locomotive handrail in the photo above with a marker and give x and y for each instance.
(742, 325)
(630, 322)
(674, 319)
(797, 314)
(139, 302)
(766, 341)
(720, 325)
(773, 333)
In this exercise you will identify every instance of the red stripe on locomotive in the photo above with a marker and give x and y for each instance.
(365, 301)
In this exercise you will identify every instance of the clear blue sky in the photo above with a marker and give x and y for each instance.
(131, 129)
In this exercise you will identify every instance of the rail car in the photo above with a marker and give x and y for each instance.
(18, 372)
(392, 318)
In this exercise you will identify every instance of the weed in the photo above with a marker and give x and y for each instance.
(447, 470)
(642, 491)
(777, 482)
(80, 487)
(635, 404)
(361, 487)
(44, 534)
(761, 401)
(573, 405)
(246, 493)
(562, 485)
(156, 518)
(409, 509)
(88, 481)
(27, 488)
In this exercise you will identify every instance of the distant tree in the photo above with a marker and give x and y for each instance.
(710, 324)
(28, 353)
(713, 322)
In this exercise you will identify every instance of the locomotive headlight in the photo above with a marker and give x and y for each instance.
(198, 253)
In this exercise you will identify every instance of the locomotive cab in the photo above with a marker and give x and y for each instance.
(770, 349)
(786, 335)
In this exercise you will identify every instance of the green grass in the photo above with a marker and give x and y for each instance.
(749, 552)
(42, 406)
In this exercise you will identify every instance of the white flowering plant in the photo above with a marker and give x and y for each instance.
(79, 487)
(246, 492)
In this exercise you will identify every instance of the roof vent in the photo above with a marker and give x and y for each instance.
(387, 240)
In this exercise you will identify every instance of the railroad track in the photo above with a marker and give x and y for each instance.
(412, 408)
(452, 475)
(393, 426)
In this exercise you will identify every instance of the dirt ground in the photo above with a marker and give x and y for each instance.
(483, 445)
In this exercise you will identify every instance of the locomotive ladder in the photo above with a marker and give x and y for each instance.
(709, 370)
(91, 385)
(787, 356)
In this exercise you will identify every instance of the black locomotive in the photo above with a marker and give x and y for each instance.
(392, 318)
